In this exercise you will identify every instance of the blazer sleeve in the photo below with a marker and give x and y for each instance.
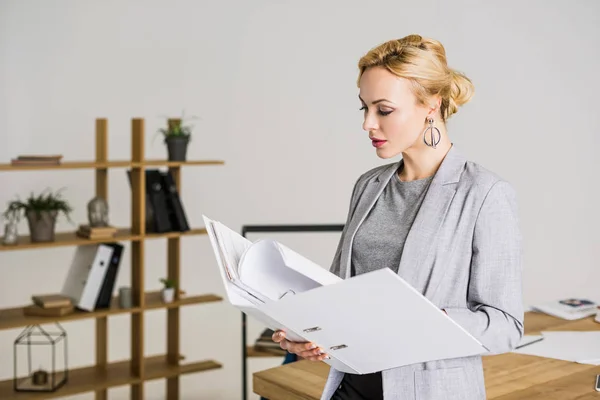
(494, 313)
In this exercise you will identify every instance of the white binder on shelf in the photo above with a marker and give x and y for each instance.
(86, 275)
(368, 323)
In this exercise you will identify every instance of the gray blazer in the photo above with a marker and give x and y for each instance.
(463, 253)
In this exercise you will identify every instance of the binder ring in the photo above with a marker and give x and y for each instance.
(313, 329)
(340, 346)
(286, 292)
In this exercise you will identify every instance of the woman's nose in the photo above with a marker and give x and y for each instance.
(370, 123)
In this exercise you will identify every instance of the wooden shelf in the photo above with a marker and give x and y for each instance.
(68, 239)
(14, 318)
(71, 239)
(252, 352)
(166, 163)
(92, 378)
(67, 165)
(198, 231)
(108, 164)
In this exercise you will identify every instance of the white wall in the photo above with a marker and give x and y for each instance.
(274, 84)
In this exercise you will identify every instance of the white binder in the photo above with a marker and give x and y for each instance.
(368, 323)
(86, 275)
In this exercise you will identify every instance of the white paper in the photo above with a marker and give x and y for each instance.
(583, 347)
(263, 269)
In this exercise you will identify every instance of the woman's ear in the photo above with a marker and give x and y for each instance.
(434, 105)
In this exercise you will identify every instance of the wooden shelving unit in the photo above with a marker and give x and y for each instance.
(139, 368)
(89, 379)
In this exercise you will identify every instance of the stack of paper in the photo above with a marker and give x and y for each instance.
(569, 309)
(349, 318)
(580, 347)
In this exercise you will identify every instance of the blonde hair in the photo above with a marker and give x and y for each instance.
(423, 62)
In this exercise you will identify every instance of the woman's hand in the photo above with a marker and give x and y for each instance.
(306, 350)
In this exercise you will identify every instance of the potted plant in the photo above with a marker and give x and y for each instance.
(41, 212)
(168, 291)
(177, 135)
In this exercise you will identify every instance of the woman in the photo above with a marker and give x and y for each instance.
(446, 225)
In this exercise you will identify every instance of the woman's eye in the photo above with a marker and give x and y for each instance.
(380, 112)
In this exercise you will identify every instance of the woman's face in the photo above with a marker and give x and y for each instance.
(393, 118)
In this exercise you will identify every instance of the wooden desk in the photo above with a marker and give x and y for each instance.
(507, 376)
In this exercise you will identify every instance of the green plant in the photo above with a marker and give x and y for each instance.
(45, 201)
(168, 283)
(177, 129)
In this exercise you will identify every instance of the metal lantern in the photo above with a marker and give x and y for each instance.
(37, 347)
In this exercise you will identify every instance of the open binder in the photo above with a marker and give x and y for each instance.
(367, 323)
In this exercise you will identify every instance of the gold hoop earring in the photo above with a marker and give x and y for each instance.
(432, 134)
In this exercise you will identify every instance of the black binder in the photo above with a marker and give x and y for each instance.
(157, 196)
(175, 207)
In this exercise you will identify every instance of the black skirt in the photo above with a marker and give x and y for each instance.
(360, 387)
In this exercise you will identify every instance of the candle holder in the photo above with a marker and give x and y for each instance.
(36, 346)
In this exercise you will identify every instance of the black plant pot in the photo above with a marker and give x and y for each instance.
(41, 226)
(177, 148)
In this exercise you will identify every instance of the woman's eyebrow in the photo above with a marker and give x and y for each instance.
(376, 101)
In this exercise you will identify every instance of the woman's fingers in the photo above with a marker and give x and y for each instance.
(306, 350)
(278, 336)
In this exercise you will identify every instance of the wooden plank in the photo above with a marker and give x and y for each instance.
(11, 318)
(68, 239)
(301, 380)
(169, 235)
(508, 376)
(173, 272)
(154, 301)
(92, 378)
(251, 351)
(65, 165)
(138, 225)
(166, 163)
(102, 192)
(71, 239)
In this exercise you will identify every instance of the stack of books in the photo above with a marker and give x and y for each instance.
(49, 305)
(265, 343)
(96, 232)
(37, 160)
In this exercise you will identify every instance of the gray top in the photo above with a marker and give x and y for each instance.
(380, 239)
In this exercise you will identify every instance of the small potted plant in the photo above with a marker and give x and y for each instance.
(168, 291)
(41, 212)
(176, 135)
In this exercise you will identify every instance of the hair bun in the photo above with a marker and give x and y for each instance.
(461, 91)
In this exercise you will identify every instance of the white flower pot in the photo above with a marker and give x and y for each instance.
(168, 295)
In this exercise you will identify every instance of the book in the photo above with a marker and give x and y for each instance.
(96, 232)
(569, 308)
(34, 159)
(53, 300)
(37, 311)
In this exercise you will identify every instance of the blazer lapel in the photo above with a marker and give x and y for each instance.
(424, 231)
(368, 198)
